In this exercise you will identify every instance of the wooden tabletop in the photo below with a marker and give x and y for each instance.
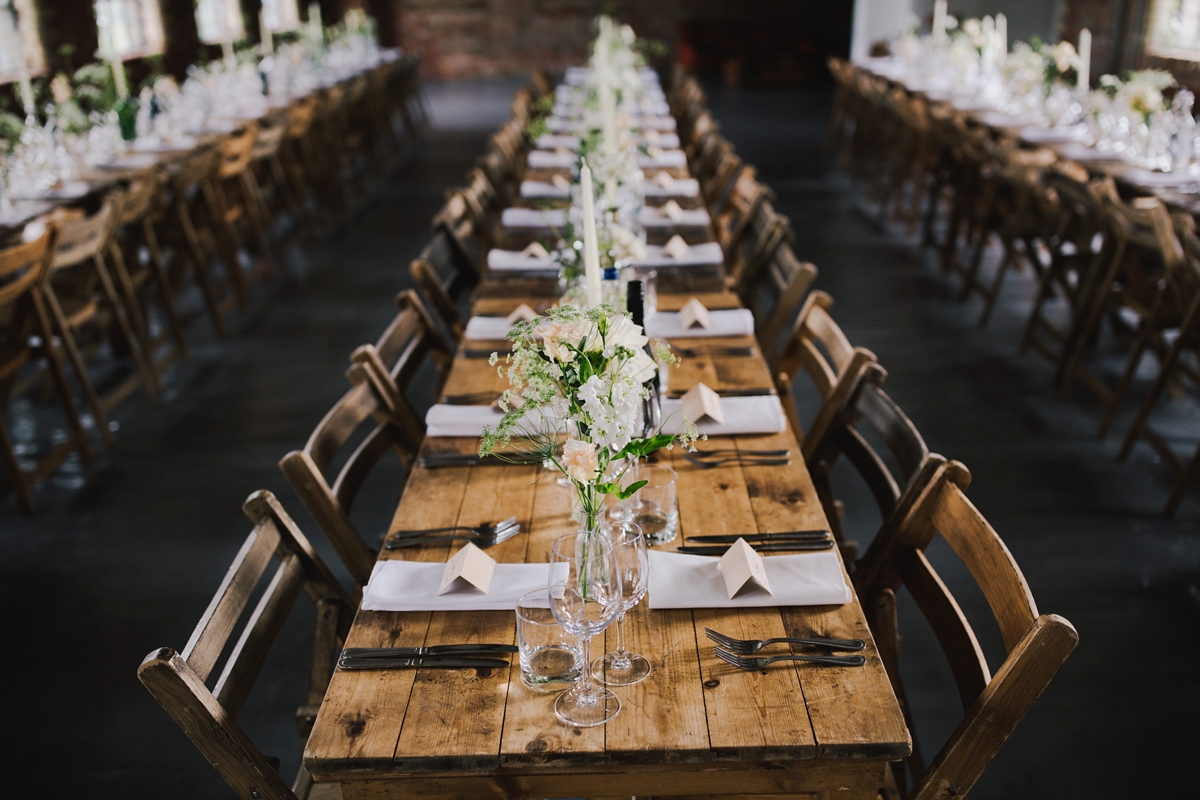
(695, 726)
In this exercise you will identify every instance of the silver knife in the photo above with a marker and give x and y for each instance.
(762, 537)
(720, 550)
(432, 650)
(675, 394)
(352, 664)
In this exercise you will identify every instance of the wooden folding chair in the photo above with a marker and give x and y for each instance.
(1180, 301)
(1140, 251)
(764, 234)
(870, 409)
(274, 187)
(736, 211)
(390, 364)
(26, 336)
(145, 283)
(209, 716)
(363, 419)
(85, 306)
(776, 297)
(442, 273)
(1036, 645)
(819, 347)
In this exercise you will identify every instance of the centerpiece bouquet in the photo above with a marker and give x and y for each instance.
(579, 380)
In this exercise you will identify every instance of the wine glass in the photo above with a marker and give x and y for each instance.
(585, 596)
(620, 667)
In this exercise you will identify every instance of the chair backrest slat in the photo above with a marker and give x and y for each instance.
(23, 265)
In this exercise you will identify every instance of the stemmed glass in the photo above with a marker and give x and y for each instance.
(585, 596)
(620, 667)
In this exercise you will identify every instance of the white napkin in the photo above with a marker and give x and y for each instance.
(517, 260)
(1160, 180)
(1037, 134)
(743, 415)
(533, 218)
(654, 123)
(667, 141)
(543, 190)
(690, 218)
(152, 144)
(70, 190)
(658, 108)
(999, 119)
(664, 160)
(548, 141)
(548, 159)
(487, 328)
(413, 586)
(722, 322)
(680, 187)
(561, 125)
(131, 161)
(680, 580)
(448, 420)
(698, 255)
(1081, 152)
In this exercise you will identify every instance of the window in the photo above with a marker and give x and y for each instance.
(219, 21)
(17, 40)
(1174, 29)
(281, 15)
(128, 28)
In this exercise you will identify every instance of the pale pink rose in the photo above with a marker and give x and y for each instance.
(579, 460)
(556, 335)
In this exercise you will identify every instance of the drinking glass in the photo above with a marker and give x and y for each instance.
(620, 667)
(585, 596)
(658, 511)
(549, 655)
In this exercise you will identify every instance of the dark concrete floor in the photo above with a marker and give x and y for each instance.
(125, 555)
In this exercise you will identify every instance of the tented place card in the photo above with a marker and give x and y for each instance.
(679, 580)
(522, 313)
(413, 585)
(471, 567)
(741, 566)
(693, 314)
(671, 211)
(535, 250)
(678, 249)
(664, 180)
(560, 181)
(701, 403)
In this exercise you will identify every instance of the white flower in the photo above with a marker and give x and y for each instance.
(579, 460)
(641, 368)
(626, 245)
(558, 334)
(622, 332)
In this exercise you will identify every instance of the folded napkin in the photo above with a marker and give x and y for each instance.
(1038, 134)
(1161, 180)
(743, 415)
(679, 580)
(70, 190)
(680, 187)
(658, 108)
(492, 328)
(655, 123)
(448, 420)
(533, 218)
(664, 160)
(722, 322)
(998, 119)
(561, 125)
(153, 144)
(690, 218)
(548, 159)
(413, 586)
(543, 190)
(548, 141)
(517, 260)
(1081, 152)
(698, 255)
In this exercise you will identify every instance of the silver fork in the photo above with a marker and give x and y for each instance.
(482, 529)
(746, 647)
(482, 542)
(751, 664)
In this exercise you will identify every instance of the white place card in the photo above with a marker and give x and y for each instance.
(676, 248)
(741, 566)
(693, 314)
(651, 137)
(663, 179)
(654, 151)
(522, 313)
(701, 402)
(469, 566)
(560, 181)
(535, 250)
(671, 211)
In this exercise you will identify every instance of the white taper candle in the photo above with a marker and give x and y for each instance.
(939, 19)
(1085, 60)
(264, 33)
(591, 247)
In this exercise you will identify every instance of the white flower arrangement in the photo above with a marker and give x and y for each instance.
(581, 375)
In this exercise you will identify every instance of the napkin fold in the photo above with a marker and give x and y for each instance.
(698, 255)
(664, 160)
(1161, 180)
(413, 586)
(679, 580)
(493, 328)
(544, 190)
(688, 218)
(722, 322)
(1047, 135)
(549, 141)
(680, 187)
(743, 415)
(517, 260)
(548, 159)
(448, 420)
(533, 218)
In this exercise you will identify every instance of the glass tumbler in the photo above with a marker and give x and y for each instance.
(658, 510)
(551, 658)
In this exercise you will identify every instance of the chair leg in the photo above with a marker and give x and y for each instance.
(1185, 482)
(19, 480)
(200, 268)
(148, 378)
(58, 376)
(166, 291)
(1135, 358)
(133, 305)
(77, 365)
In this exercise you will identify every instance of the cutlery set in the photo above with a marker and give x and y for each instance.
(786, 541)
(442, 656)
(483, 536)
(713, 350)
(740, 652)
(709, 459)
(435, 460)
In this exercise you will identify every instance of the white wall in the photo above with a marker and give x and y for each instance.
(884, 19)
(875, 20)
